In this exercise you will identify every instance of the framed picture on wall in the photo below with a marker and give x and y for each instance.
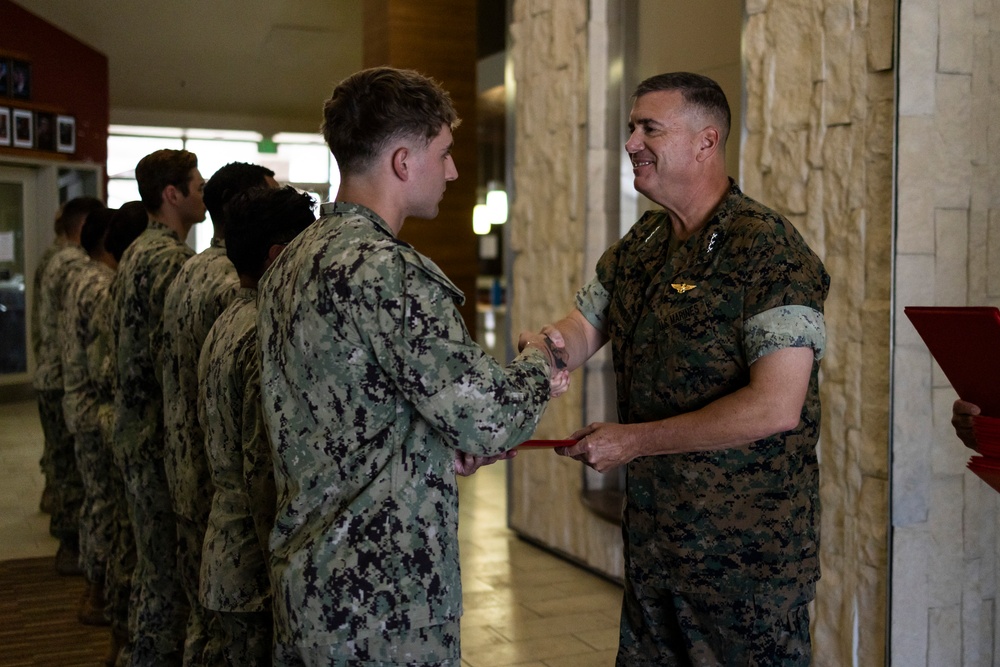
(45, 131)
(23, 131)
(4, 77)
(4, 126)
(20, 80)
(66, 134)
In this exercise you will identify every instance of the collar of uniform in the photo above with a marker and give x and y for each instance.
(247, 294)
(345, 208)
(709, 238)
(157, 226)
(217, 243)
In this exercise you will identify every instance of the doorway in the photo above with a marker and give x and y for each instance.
(17, 195)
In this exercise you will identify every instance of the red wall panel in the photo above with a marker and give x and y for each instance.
(67, 76)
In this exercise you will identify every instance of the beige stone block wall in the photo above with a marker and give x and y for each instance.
(818, 147)
(556, 170)
(945, 521)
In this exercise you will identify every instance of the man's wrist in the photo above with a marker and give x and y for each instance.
(543, 348)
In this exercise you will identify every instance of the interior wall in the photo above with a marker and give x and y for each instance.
(946, 536)
(67, 77)
(553, 186)
(818, 147)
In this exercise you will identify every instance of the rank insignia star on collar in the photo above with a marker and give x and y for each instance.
(682, 287)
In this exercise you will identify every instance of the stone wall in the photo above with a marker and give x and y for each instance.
(947, 252)
(818, 147)
(560, 173)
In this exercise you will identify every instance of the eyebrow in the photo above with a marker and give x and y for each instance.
(644, 121)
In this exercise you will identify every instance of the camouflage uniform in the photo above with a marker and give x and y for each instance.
(80, 406)
(37, 333)
(202, 289)
(234, 576)
(62, 473)
(706, 530)
(102, 364)
(370, 383)
(158, 608)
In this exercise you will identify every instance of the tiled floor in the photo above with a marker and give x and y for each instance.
(523, 606)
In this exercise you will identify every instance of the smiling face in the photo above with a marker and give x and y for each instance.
(663, 145)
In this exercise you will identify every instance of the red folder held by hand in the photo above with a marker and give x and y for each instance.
(965, 342)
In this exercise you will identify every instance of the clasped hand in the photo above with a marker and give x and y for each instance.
(550, 341)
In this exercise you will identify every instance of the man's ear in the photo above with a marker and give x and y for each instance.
(708, 143)
(399, 165)
(171, 194)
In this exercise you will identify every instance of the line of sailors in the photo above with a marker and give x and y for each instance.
(158, 472)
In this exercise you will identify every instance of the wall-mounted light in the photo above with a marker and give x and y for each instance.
(496, 205)
(492, 212)
(481, 219)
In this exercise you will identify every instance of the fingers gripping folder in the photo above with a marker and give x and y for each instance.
(965, 342)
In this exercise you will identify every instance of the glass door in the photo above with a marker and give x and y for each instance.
(17, 197)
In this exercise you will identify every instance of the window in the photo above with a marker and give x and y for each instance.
(297, 159)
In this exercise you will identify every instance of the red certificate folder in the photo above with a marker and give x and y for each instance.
(965, 341)
(548, 443)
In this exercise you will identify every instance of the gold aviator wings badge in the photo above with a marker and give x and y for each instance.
(682, 287)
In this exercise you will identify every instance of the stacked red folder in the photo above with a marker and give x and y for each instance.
(965, 341)
(987, 465)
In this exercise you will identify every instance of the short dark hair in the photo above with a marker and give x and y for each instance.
(162, 168)
(229, 180)
(95, 229)
(74, 213)
(125, 226)
(260, 218)
(698, 90)
(374, 106)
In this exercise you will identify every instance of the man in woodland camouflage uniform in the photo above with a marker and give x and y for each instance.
(170, 186)
(204, 286)
(63, 476)
(234, 573)
(713, 308)
(80, 406)
(374, 392)
(127, 223)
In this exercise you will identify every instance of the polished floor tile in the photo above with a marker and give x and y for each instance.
(523, 606)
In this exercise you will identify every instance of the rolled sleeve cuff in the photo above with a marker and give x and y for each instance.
(785, 326)
(592, 301)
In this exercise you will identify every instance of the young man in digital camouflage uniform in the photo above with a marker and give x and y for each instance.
(714, 310)
(80, 407)
(204, 286)
(170, 186)
(59, 459)
(374, 392)
(125, 226)
(234, 573)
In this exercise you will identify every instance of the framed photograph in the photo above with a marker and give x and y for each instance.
(4, 126)
(24, 136)
(20, 80)
(66, 134)
(4, 77)
(45, 131)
